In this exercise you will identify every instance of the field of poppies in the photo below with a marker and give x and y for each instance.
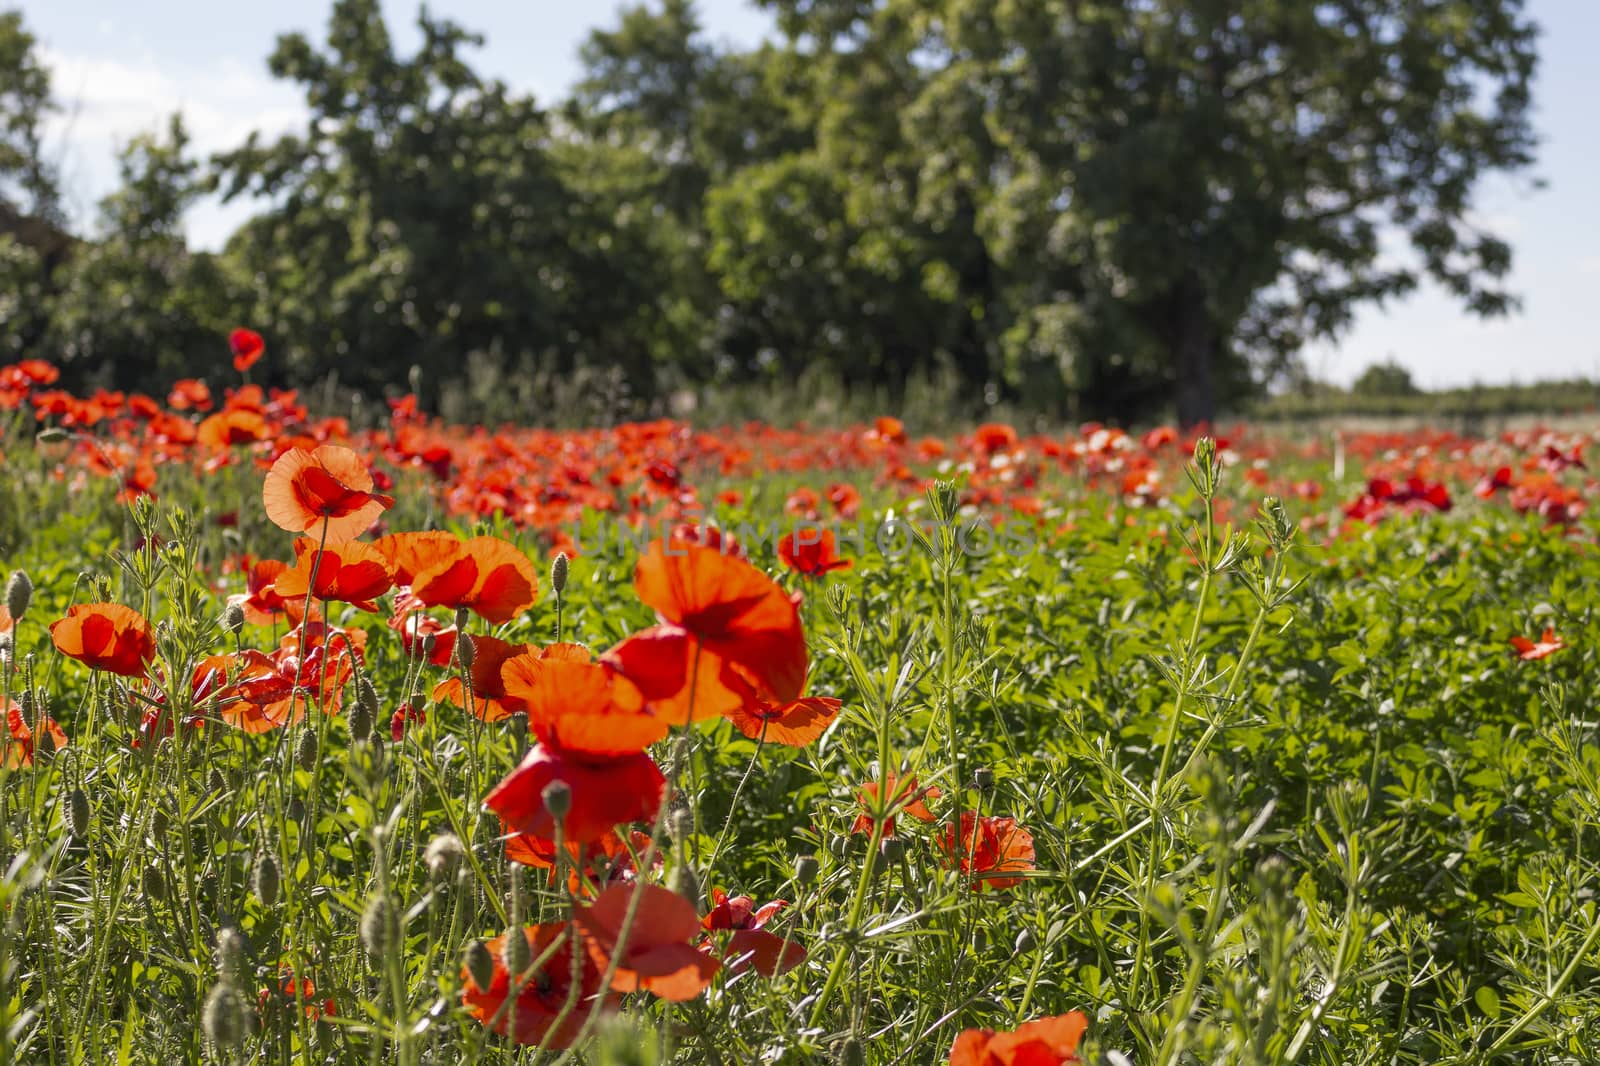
(404, 742)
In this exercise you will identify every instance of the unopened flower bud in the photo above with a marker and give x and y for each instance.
(466, 651)
(361, 719)
(1025, 942)
(267, 879)
(851, 1053)
(155, 885)
(463, 616)
(558, 572)
(233, 618)
(231, 947)
(443, 854)
(893, 849)
(685, 883)
(557, 796)
(223, 1018)
(52, 435)
(429, 642)
(515, 953)
(305, 751)
(480, 964)
(19, 593)
(375, 920)
(78, 814)
(216, 782)
(160, 821)
(806, 869)
(680, 824)
(983, 779)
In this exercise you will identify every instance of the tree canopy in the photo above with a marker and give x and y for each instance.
(1100, 207)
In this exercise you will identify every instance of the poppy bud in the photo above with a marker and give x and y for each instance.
(681, 824)
(515, 954)
(78, 814)
(851, 1053)
(557, 796)
(233, 618)
(46, 746)
(479, 964)
(983, 779)
(429, 642)
(443, 854)
(159, 823)
(223, 1019)
(367, 696)
(216, 782)
(267, 879)
(1025, 942)
(375, 920)
(893, 849)
(463, 616)
(230, 953)
(297, 808)
(19, 593)
(305, 751)
(155, 886)
(806, 869)
(53, 435)
(465, 652)
(360, 721)
(558, 572)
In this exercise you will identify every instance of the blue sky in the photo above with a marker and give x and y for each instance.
(122, 68)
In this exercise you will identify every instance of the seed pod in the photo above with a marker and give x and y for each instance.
(233, 618)
(465, 652)
(305, 751)
(155, 885)
(78, 814)
(558, 572)
(515, 953)
(983, 779)
(1025, 942)
(479, 964)
(806, 869)
(893, 849)
(267, 879)
(375, 926)
(19, 593)
(557, 796)
(223, 1019)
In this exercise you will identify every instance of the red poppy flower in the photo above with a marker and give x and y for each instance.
(20, 749)
(794, 724)
(488, 575)
(490, 701)
(405, 716)
(7, 623)
(1042, 1042)
(889, 429)
(752, 946)
(329, 485)
(992, 437)
(991, 850)
(260, 601)
(412, 553)
(351, 572)
(655, 954)
(189, 394)
(415, 630)
(606, 792)
(290, 991)
(106, 636)
(743, 632)
(228, 428)
(810, 553)
(609, 860)
(542, 999)
(247, 347)
(578, 705)
(904, 798)
(1548, 644)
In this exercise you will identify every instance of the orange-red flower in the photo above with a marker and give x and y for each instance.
(655, 952)
(1548, 644)
(247, 347)
(752, 946)
(738, 629)
(250, 690)
(351, 572)
(541, 1001)
(1042, 1042)
(330, 484)
(234, 426)
(795, 724)
(411, 553)
(605, 792)
(810, 552)
(22, 742)
(106, 636)
(608, 860)
(260, 601)
(488, 575)
(579, 705)
(992, 851)
(904, 798)
(490, 701)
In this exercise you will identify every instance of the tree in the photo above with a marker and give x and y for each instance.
(1385, 379)
(1189, 190)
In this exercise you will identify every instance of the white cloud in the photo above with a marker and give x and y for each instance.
(106, 102)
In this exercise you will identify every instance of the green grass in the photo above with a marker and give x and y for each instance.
(1292, 803)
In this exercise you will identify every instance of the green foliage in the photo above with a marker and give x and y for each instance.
(1388, 379)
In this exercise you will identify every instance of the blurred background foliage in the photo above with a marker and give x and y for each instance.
(1077, 208)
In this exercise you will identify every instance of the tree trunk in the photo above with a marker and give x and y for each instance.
(1193, 345)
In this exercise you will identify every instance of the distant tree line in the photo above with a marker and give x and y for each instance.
(1109, 208)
